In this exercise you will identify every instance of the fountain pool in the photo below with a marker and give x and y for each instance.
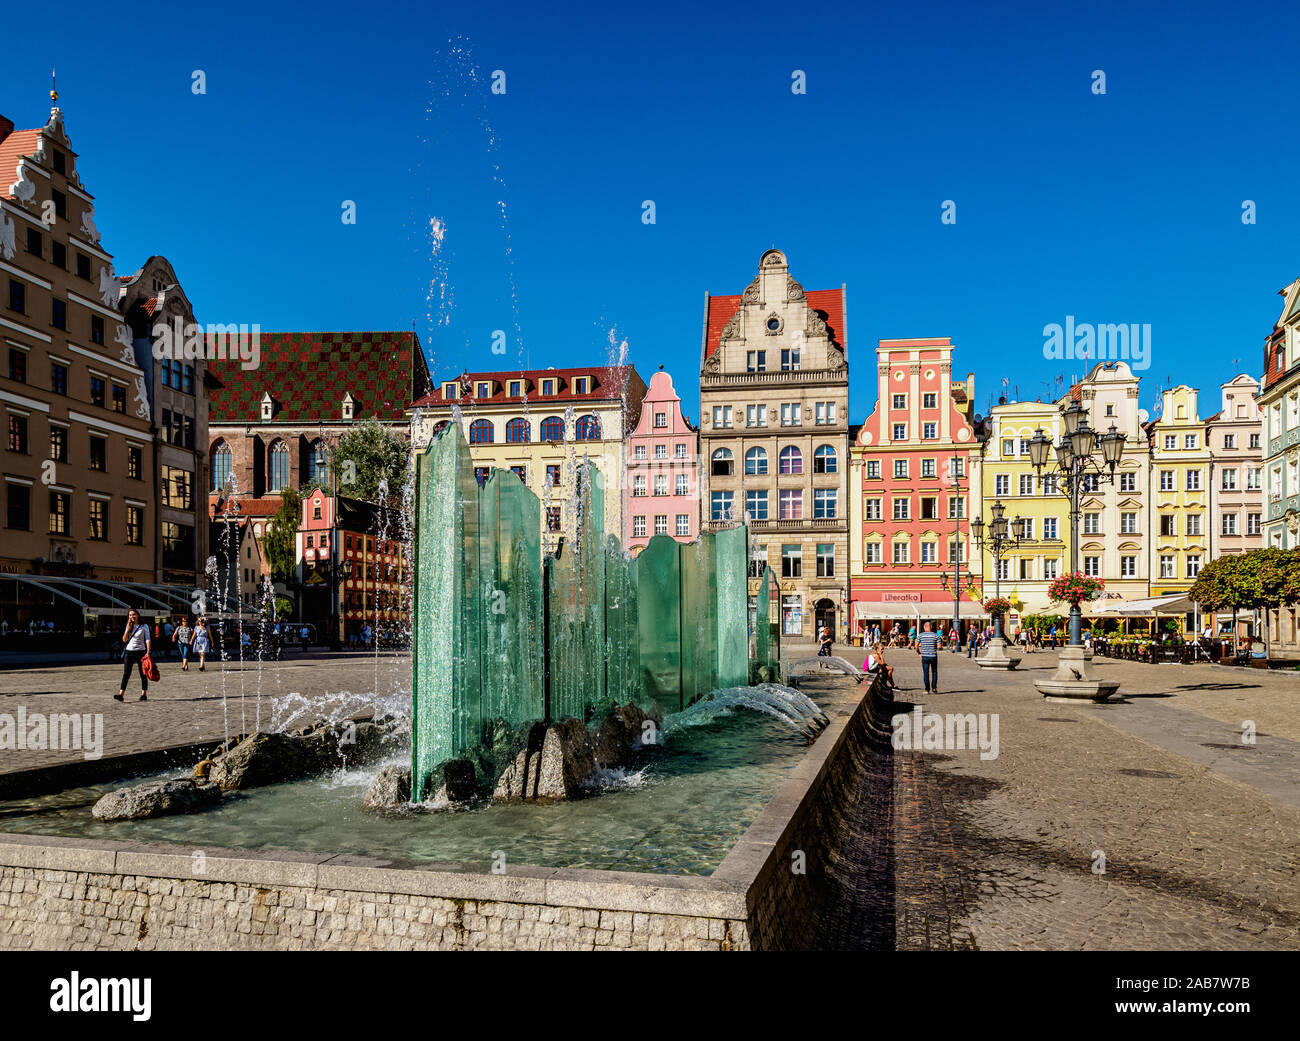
(678, 810)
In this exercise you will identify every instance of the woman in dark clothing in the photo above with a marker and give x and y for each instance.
(137, 640)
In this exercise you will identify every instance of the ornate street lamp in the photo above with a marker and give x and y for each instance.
(1001, 536)
(1076, 467)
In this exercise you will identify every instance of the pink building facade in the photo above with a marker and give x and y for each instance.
(661, 490)
(913, 465)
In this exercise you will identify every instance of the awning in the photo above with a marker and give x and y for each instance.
(115, 599)
(1177, 603)
(866, 610)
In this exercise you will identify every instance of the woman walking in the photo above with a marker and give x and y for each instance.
(202, 643)
(138, 641)
(184, 637)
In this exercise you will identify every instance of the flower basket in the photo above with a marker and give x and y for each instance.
(1075, 588)
(997, 605)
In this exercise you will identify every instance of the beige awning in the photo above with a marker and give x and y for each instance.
(869, 609)
(1178, 603)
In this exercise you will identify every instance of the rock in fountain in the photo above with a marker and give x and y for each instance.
(261, 758)
(156, 799)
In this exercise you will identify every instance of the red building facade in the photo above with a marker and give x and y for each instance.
(911, 475)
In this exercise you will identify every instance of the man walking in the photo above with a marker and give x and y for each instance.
(927, 646)
(971, 640)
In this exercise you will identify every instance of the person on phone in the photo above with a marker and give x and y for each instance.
(137, 639)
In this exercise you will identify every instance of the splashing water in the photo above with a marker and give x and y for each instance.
(785, 704)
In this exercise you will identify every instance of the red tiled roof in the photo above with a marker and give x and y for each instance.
(608, 384)
(307, 375)
(150, 306)
(249, 508)
(16, 145)
(829, 302)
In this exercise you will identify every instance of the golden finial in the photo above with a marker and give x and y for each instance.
(54, 83)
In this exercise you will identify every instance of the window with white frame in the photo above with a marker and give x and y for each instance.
(1092, 567)
(902, 509)
(638, 526)
(900, 431)
(1229, 524)
(1026, 484)
(902, 553)
(871, 553)
(1002, 484)
(1092, 523)
(661, 524)
(1171, 442)
(1050, 527)
(1128, 523)
(722, 416)
(683, 524)
(1252, 524)
(755, 415)
(1193, 480)
(929, 552)
(900, 467)
(1128, 482)
(1193, 524)
(871, 509)
(1229, 480)
(791, 414)
(929, 431)
(682, 484)
(1128, 567)
(1193, 565)
(899, 401)
(1051, 570)
(1166, 480)
(1167, 566)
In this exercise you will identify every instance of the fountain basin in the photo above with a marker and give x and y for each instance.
(721, 890)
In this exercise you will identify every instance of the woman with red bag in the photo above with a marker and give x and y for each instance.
(138, 641)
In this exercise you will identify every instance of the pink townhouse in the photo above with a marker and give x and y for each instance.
(661, 490)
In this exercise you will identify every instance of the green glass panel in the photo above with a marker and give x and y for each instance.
(762, 620)
(510, 577)
(732, 550)
(576, 607)
(658, 579)
(774, 618)
(699, 652)
(622, 640)
(445, 650)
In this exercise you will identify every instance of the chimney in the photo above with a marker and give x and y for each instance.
(6, 127)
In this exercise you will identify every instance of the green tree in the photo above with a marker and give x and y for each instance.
(281, 540)
(366, 455)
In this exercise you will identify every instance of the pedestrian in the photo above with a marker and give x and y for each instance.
(970, 642)
(168, 631)
(183, 637)
(138, 641)
(954, 639)
(202, 643)
(825, 641)
(875, 665)
(1053, 635)
(304, 637)
(927, 646)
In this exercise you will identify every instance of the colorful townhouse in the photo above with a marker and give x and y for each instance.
(774, 391)
(661, 493)
(1235, 438)
(541, 424)
(1279, 401)
(1027, 568)
(1114, 515)
(1180, 493)
(912, 466)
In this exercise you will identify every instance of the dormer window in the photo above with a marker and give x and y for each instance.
(268, 407)
(580, 384)
(548, 388)
(483, 390)
(348, 407)
(450, 389)
(516, 388)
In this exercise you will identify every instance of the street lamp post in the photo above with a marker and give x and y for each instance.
(321, 460)
(1000, 536)
(1076, 468)
(955, 481)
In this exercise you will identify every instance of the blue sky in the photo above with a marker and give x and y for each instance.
(1117, 208)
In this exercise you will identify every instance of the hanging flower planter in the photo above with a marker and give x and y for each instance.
(1075, 588)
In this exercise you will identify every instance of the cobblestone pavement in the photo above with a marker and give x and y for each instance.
(186, 707)
(1199, 844)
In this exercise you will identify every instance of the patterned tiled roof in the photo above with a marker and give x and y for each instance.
(307, 375)
(829, 303)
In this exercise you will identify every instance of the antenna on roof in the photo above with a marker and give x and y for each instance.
(54, 86)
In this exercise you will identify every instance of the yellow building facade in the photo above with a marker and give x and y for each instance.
(1008, 476)
(1180, 490)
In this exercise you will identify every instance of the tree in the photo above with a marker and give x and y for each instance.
(281, 540)
(1260, 578)
(368, 454)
